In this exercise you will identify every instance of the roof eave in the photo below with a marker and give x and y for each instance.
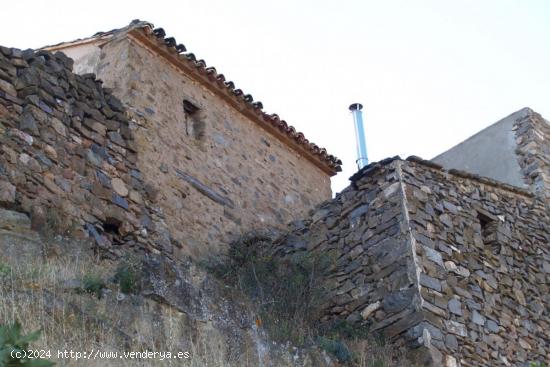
(142, 36)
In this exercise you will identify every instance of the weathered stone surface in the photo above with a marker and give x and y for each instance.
(233, 162)
(455, 306)
(7, 193)
(430, 282)
(56, 169)
(119, 186)
(474, 305)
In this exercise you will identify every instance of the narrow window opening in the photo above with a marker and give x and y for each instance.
(189, 108)
(489, 229)
(194, 122)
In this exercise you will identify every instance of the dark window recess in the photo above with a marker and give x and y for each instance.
(194, 122)
(489, 229)
(111, 226)
(189, 107)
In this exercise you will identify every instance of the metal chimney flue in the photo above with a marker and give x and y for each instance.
(362, 158)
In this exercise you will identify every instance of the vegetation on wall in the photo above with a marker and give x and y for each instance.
(288, 294)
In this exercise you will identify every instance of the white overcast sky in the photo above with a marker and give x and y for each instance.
(429, 73)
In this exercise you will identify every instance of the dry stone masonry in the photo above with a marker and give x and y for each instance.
(448, 263)
(68, 154)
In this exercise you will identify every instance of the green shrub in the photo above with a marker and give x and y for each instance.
(5, 270)
(128, 277)
(337, 348)
(343, 329)
(93, 284)
(14, 345)
(286, 291)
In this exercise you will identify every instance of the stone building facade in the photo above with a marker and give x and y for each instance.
(221, 165)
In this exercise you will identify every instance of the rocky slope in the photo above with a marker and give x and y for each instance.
(61, 287)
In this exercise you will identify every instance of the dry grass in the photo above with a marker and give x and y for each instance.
(34, 292)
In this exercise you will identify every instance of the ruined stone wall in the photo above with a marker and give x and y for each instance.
(452, 265)
(218, 174)
(483, 253)
(68, 157)
(364, 229)
(533, 151)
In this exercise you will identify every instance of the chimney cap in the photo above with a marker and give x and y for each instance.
(356, 107)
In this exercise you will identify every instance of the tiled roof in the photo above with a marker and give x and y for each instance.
(169, 48)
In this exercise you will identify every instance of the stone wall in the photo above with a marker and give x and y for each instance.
(218, 173)
(365, 229)
(533, 151)
(68, 156)
(443, 262)
(483, 253)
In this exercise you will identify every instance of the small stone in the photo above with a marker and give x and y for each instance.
(64, 184)
(24, 158)
(492, 326)
(104, 180)
(454, 306)
(21, 135)
(8, 88)
(451, 341)
(450, 361)
(50, 152)
(450, 207)
(390, 190)
(524, 344)
(116, 138)
(93, 158)
(370, 309)
(119, 187)
(520, 297)
(135, 196)
(7, 193)
(446, 220)
(428, 281)
(152, 192)
(455, 328)
(163, 168)
(433, 255)
(477, 318)
(395, 302)
(120, 201)
(95, 125)
(28, 124)
(58, 127)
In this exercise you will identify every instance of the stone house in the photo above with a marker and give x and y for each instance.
(220, 164)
